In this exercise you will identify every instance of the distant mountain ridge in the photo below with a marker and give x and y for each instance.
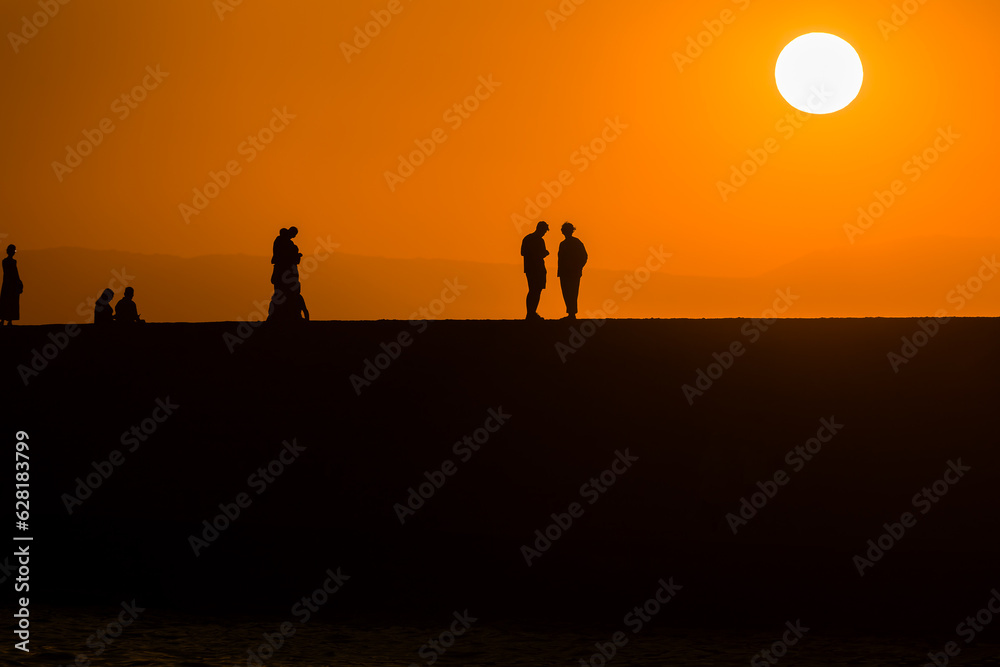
(908, 279)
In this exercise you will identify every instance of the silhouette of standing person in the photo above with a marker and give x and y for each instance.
(534, 253)
(294, 257)
(10, 291)
(126, 311)
(286, 257)
(279, 255)
(277, 249)
(285, 301)
(103, 315)
(572, 259)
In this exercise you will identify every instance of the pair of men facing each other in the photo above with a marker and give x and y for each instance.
(571, 259)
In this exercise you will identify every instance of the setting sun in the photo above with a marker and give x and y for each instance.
(819, 73)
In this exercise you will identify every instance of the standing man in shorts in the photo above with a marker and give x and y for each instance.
(534, 253)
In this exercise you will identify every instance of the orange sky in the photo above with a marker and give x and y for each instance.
(556, 88)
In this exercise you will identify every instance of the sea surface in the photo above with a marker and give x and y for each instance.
(59, 637)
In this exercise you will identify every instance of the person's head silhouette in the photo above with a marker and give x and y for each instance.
(568, 229)
(129, 292)
(541, 228)
(293, 232)
(283, 233)
(11, 249)
(106, 296)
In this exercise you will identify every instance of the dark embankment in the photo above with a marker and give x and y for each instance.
(665, 516)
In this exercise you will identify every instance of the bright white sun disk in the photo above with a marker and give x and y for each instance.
(819, 73)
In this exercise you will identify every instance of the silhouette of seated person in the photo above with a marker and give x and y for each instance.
(287, 308)
(297, 306)
(126, 311)
(103, 314)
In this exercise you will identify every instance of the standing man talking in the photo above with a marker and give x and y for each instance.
(534, 253)
(572, 258)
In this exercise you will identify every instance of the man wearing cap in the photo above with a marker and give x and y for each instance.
(572, 258)
(534, 253)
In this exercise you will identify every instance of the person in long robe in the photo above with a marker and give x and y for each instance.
(10, 290)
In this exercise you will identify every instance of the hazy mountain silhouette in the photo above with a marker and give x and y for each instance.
(906, 279)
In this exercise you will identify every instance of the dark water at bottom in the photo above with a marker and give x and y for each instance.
(60, 637)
